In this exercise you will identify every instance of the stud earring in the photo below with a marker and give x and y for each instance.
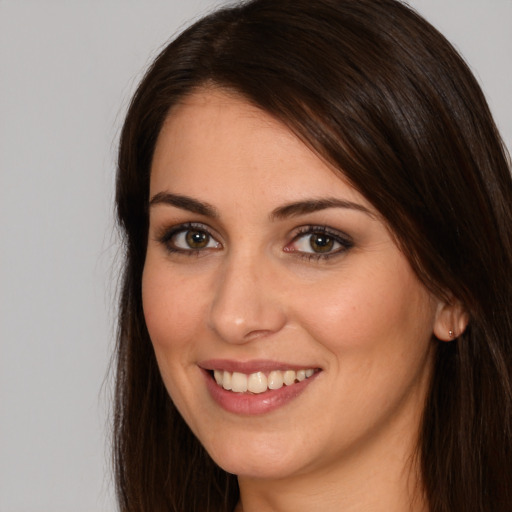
(451, 334)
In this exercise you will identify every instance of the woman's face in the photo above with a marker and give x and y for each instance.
(266, 269)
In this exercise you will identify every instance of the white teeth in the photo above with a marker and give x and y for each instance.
(258, 382)
(226, 380)
(289, 377)
(275, 380)
(239, 382)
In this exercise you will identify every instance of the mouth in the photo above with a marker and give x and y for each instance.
(255, 387)
(260, 381)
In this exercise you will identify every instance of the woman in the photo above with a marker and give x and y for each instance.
(315, 312)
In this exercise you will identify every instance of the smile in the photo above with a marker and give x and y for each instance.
(260, 382)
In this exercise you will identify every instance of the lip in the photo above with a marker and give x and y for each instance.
(247, 404)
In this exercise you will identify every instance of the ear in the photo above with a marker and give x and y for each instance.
(451, 320)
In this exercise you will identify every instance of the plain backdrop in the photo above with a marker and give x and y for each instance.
(67, 70)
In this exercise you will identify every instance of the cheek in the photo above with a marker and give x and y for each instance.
(172, 309)
(367, 311)
(173, 314)
(377, 331)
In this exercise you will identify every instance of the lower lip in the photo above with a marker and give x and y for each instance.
(252, 404)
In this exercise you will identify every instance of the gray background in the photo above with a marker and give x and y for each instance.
(67, 69)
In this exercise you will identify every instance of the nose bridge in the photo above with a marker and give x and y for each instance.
(244, 305)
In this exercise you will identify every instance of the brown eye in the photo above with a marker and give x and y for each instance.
(320, 242)
(189, 239)
(197, 239)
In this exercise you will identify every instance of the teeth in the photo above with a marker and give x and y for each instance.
(289, 377)
(239, 382)
(275, 380)
(259, 382)
(226, 380)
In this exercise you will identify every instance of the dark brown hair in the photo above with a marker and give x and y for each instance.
(378, 92)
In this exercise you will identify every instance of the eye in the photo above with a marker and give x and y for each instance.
(193, 239)
(189, 239)
(319, 241)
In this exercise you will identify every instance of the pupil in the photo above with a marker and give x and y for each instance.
(197, 239)
(321, 243)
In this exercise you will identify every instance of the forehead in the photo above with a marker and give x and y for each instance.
(213, 141)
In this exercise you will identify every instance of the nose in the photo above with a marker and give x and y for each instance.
(246, 303)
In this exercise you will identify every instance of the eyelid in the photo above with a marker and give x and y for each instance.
(344, 240)
(166, 234)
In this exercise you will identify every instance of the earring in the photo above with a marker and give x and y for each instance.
(451, 334)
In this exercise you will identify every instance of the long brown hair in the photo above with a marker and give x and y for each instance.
(378, 92)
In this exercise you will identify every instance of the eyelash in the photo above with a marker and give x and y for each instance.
(166, 238)
(335, 236)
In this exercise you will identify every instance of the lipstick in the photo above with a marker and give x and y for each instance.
(255, 387)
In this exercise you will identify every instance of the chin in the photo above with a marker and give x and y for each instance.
(258, 458)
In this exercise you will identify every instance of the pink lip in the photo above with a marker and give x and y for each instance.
(248, 403)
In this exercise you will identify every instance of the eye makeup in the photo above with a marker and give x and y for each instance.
(310, 242)
(319, 243)
(190, 238)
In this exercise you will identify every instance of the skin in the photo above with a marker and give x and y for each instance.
(258, 290)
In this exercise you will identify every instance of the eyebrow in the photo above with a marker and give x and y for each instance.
(184, 203)
(282, 212)
(315, 205)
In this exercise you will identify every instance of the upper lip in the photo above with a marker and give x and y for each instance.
(248, 367)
